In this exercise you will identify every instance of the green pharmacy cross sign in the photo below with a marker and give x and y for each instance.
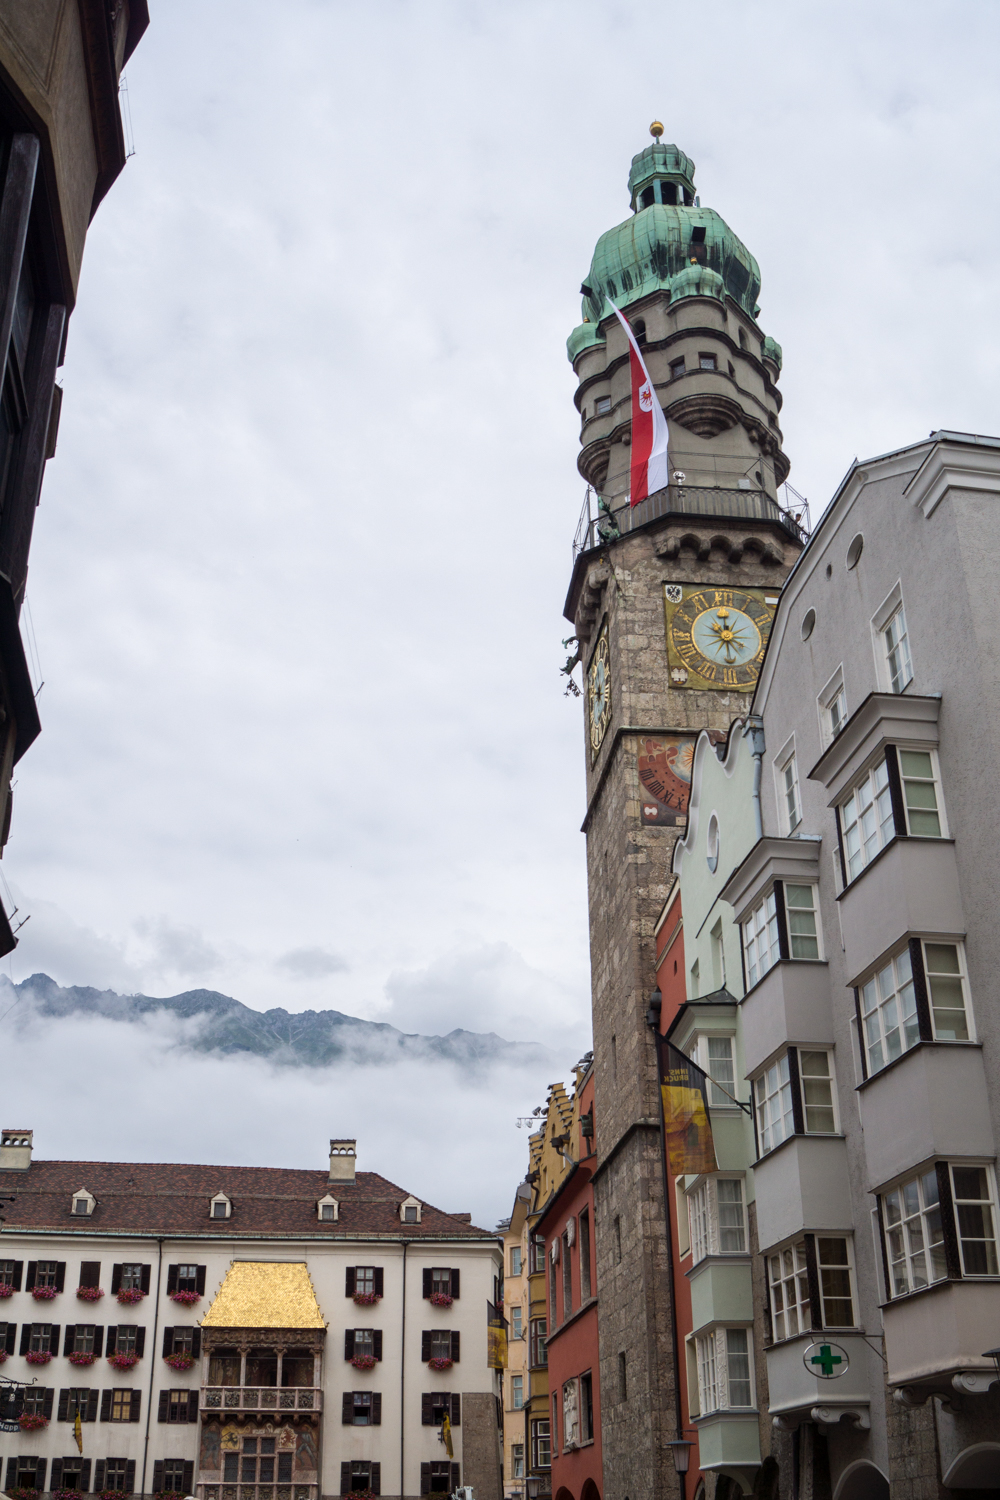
(826, 1360)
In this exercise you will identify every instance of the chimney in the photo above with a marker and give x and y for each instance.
(15, 1150)
(343, 1160)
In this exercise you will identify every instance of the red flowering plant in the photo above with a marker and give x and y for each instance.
(367, 1299)
(90, 1293)
(111, 1495)
(44, 1293)
(65, 1494)
(122, 1361)
(22, 1492)
(440, 1299)
(3, 1355)
(364, 1361)
(128, 1294)
(32, 1421)
(188, 1299)
(180, 1360)
(439, 1363)
(7, 1290)
(81, 1357)
(38, 1356)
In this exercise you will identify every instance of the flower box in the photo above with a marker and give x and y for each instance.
(44, 1293)
(439, 1363)
(367, 1299)
(110, 1495)
(38, 1356)
(80, 1357)
(122, 1361)
(90, 1293)
(7, 1290)
(22, 1492)
(179, 1361)
(364, 1361)
(188, 1299)
(32, 1421)
(65, 1494)
(129, 1294)
(440, 1299)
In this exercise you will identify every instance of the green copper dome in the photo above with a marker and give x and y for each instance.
(668, 231)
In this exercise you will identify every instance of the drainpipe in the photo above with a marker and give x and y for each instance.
(402, 1384)
(152, 1369)
(754, 731)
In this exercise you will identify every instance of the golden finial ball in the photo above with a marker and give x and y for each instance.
(656, 130)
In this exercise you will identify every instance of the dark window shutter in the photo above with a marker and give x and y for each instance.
(11, 1334)
(456, 1345)
(25, 1337)
(919, 991)
(105, 1406)
(455, 1283)
(895, 791)
(348, 1343)
(140, 1342)
(377, 1343)
(90, 1273)
(168, 1342)
(60, 1275)
(192, 1406)
(426, 1410)
(171, 1281)
(18, 1268)
(345, 1478)
(201, 1281)
(62, 1410)
(29, 1280)
(376, 1408)
(456, 1476)
(428, 1283)
(40, 1473)
(951, 1254)
(379, 1282)
(92, 1405)
(98, 1341)
(161, 1411)
(130, 1477)
(188, 1475)
(798, 1114)
(779, 912)
(112, 1339)
(56, 1480)
(47, 1403)
(157, 1476)
(347, 1410)
(145, 1282)
(861, 1033)
(116, 1279)
(196, 1343)
(99, 1467)
(375, 1482)
(54, 1338)
(456, 1410)
(425, 1479)
(134, 1407)
(840, 848)
(425, 1345)
(85, 1475)
(352, 1281)
(69, 1339)
(812, 1277)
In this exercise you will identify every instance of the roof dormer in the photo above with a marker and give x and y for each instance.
(328, 1209)
(220, 1207)
(409, 1211)
(83, 1203)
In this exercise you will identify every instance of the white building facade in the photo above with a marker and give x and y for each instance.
(243, 1333)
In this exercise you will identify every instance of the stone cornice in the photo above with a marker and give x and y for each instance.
(881, 719)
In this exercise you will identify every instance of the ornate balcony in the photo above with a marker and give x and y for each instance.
(264, 1398)
(604, 518)
(258, 1491)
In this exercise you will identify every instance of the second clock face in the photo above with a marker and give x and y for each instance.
(599, 691)
(716, 637)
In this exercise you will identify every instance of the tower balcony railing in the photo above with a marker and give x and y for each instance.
(226, 1398)
(604, 518)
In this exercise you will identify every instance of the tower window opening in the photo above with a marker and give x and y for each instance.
(743, 339)
(602, 406)
(647, 197)
(698, 234)
(707, 362)
(732, 373)
(688, 198)
(639, 329)
(668, 192)
(676, 369)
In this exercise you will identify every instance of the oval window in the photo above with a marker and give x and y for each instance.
(808, 623)
(713, 843)
(855, 550)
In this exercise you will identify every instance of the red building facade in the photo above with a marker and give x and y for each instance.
(567, 1225)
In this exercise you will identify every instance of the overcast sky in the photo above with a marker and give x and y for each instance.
(298, 572)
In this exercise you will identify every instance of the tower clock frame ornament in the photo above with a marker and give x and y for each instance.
(716, 636)
(599, 692)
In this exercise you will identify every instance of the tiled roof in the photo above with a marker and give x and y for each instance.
(172, 1199)
(260, 1294)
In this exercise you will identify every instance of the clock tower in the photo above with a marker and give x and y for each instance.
(671, 602)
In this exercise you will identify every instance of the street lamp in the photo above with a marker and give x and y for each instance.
(534, 1484)
(681, 1450)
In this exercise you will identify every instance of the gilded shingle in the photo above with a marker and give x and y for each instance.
(265, 1294)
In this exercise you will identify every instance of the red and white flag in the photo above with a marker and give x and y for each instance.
(650, 465)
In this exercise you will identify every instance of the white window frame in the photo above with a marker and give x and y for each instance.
(881, 828)
(774, 1083)
(963, 978)
(827, 1052)
(837, 1266)
(891, 607)
(783, 762)
(935, 781)
(991, 1202)
(831, 705)
(794, 957)
(916, 1209)
(699, 1051)
(881, 1011)
(791, 1271)
(759, 936)
(704, 1215)
(712, 1358)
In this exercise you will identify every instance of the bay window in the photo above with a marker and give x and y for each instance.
(725, 1380)
(914, 1232)
(773, 1100)
(920, 994)
(811, 1285)
(795, 1096)
(866, 820)
(760, 939)
(717, 1218)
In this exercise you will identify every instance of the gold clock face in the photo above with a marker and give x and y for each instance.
(716, 637)
(599, 691)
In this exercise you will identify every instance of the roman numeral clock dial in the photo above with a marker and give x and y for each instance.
(599, 692)
(716, 637)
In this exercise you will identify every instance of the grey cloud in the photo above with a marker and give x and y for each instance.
(311, 963)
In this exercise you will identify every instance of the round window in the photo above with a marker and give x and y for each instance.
(808, 623)
(855, 550)
(713, 843)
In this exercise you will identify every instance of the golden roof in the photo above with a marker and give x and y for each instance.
(265, 1294)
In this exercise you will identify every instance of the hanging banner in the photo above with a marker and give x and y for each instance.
(496, 1338)
(687, 1127)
